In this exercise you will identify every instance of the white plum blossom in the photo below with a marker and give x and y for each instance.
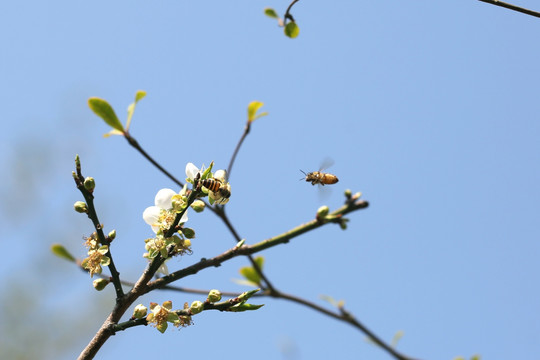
(161, 215)
(222, 194)
(221, 175)
(192, 171)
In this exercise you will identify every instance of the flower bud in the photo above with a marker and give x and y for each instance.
(177, 203)
(140, 311)
(196, 307)
(80, 207)
(89, 184)
(112, 235)
(214, 296)
(323, 211)
(198, 205)
(188, 233)
(99, 284)
(167, 304)
(348, 193)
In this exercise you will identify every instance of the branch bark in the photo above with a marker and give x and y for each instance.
(512, 7)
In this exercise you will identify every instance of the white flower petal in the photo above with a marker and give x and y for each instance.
(221, 175)
(184, 217)
(191, 171)
(163, 268)
(151, 215)
(164, 198)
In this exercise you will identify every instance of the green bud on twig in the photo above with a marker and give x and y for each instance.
(196, 307)
(80, 207)
(89, 184)
(214, 296)
(198, 205)
(140, 311)
(100, 284)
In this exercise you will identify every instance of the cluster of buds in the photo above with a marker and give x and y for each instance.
(167, 247)
(323, 216)
(163, 314)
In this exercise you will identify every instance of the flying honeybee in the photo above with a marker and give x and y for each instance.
(319, 177)
(221, 192)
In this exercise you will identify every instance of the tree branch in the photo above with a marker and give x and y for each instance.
(288, 15)
(345, 317)
(512, 7)
(255, 248)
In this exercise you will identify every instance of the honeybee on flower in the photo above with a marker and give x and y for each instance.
(217, 186)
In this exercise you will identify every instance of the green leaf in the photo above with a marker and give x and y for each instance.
(131, 108)
(328, 299)
(292, 30)
(139, 95)
(105, 111)
(396, 338)
(244, 282)
(271, 13)
(245, 307)
(250, 274)
(207, 173)
(60, 251)
(247, 294)
(253, 107)
(240, 243)
(259, 260)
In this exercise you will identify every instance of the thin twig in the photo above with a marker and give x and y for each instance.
(92, 215)
(233, 157)
(221, 210)
(342, 316)
(288, 15)
(136, 145)
(255, 248)
(512, 7)
(254, 264)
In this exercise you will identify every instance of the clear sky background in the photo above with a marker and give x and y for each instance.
(429, 108)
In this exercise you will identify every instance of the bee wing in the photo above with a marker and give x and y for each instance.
(325, 164)
(324, 192)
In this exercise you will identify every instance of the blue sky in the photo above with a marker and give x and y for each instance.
(428, 108)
